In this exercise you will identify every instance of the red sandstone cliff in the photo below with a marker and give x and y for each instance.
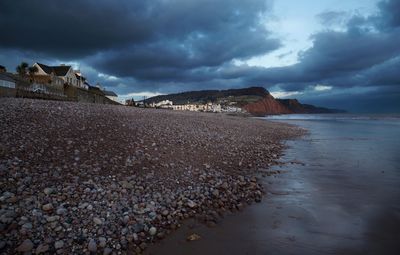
(265, 106)
(269, 105)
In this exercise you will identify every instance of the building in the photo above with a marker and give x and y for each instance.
(6, 81)
(111, 95)
(2, 69)
(7, 85)
(162, 104)
(60, 75)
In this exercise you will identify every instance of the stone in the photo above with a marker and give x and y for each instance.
(152, 231)
(42, 248)
(52, 218)
(25, 246)
(48, 191)
(191, 204)
(107, 251)
(92, 246)
(59, 244)
(97, 221)
(61, 211)
(102, 242)
(193, 237)
(215, 193)
(47, 207)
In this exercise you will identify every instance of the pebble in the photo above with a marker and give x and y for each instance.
(92, 246)
(152, 231)
(102, 242)
(59, 244)
(48, 191)
(97, 221)
(42, 248)
(47, 207)
(25, 246)
(107, 251)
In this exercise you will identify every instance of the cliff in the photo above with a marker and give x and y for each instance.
(265, 106)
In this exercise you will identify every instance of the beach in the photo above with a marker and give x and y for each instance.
(87, 178)
(337, 192)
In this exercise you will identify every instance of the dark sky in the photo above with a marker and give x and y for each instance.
(336, 55)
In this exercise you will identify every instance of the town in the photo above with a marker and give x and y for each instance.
(64, 83)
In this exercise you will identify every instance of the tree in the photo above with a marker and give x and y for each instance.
(21, 69)
(32, 70)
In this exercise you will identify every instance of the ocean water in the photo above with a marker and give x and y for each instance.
(348, 183)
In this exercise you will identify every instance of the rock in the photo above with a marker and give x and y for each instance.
(126, 185)
(47, 207)
(215, 193)
(92, 246)
(42, 248)
(61, 211)
(107, 251)
(152, 231)
(97, 221)
(102, 242)
(191, 204)
(25, 246)
(59, 244)
(193, 237)
(52, 218)
(27, 225)
(48, 191)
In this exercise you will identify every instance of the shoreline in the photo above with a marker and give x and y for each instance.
(334, 196)
(81, 178)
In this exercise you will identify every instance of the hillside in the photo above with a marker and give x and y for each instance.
(239, 96)
(255, 100)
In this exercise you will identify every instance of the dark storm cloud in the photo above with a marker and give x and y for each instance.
(220, 29)
(175, 45)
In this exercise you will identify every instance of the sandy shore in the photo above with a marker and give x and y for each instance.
(81, 178)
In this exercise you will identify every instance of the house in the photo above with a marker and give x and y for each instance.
(7, 85)
(6, 81)
(111, 95)
(162, 104)
(61, 74)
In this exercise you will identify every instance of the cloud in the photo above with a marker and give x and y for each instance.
(285, 94)
(164, 46)
(320, 87)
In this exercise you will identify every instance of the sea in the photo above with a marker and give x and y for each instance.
(347, 182)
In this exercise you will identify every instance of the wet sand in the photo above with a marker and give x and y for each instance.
(339, 193)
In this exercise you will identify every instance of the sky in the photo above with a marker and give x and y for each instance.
(334, 53)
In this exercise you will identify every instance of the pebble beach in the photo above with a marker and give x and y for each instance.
(79, 178)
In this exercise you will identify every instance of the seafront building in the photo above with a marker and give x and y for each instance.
(60, 82)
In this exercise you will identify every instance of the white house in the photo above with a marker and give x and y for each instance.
(6, 81)
(111, 95)
(66, 73)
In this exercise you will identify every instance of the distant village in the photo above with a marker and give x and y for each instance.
(64, 83)
(194, 107)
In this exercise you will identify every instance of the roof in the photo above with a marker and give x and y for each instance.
(109, 93)
(96, 90)
(6, 77)
(80, 77)
(58, 70)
